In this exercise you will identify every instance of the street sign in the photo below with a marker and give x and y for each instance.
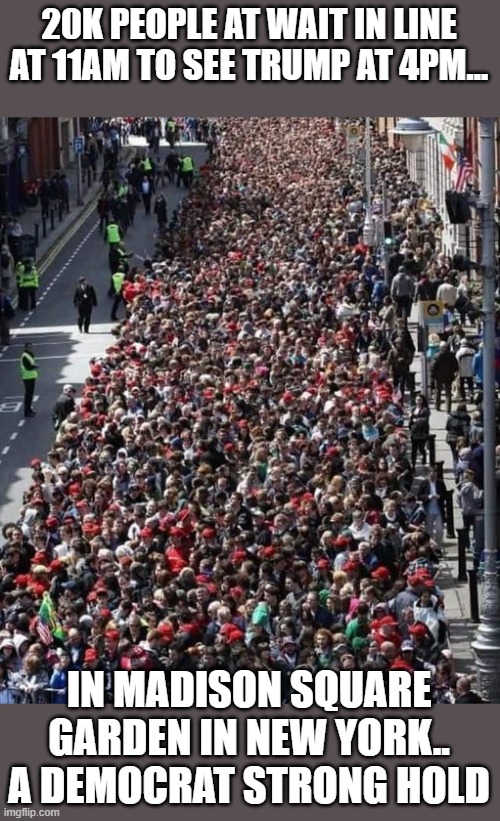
(432, 314)
(78, 145)
(353, 134)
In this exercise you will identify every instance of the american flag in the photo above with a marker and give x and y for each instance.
(44, 632)
(464, 171)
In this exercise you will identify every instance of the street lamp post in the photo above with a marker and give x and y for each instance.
(486, 645)
(79, 199)
(368, 228)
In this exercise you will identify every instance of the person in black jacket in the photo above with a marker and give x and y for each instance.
(419, 429)
(443, 371)
(457, 427)
(85, 300)
(433, 495)
(65, 404)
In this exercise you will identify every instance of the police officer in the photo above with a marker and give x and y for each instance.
(118, 256)
(186, 171)
(29, 373)
(170, 131)
(21, 292)
(113, 234)
(30, 281)
(118, 280)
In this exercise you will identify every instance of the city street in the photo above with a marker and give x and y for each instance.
(62, 353)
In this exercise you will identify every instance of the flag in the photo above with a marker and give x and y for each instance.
(49, 627)
(464, 171)
(447, 152)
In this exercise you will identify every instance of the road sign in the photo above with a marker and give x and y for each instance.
(78, 145)
(353, 134)
(432, 314)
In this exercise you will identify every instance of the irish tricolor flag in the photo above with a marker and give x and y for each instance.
(447, 152)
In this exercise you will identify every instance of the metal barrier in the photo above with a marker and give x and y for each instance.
(450, 515)
(432, 450)
(463, 542)
(474, 596)
(18, 696)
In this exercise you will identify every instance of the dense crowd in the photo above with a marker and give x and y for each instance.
(236, 488)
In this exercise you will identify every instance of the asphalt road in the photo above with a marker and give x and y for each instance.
(62, 353)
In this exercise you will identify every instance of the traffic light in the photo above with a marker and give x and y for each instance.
(388, 236)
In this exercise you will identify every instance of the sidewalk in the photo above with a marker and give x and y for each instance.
(462, 629)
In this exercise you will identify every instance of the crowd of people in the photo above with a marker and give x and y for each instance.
(236, 487)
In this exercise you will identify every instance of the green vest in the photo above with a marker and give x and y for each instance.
(113, 234)
(28, 359)
(29, 279)
(187, 165)
(19, 274)
(123, 191)
(170, 125)
(118, 280)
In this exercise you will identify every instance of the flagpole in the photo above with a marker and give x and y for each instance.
(467, 225)
(486, 645)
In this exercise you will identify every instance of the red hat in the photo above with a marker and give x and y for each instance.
(342, 541)
(56, 564)
(35, 463)
(112, 634)
(52, 521)
(401, 664)
(91, 655)
(176, 531)
(183, 515)
(415, 580)
(268, 552)
(323, 564)
(146, 533)
(74, 489)
(105, 613)
(236, 635)
(208, 533)
(21, 580)
(92, 596)
(39, 558)
(350, 566)
(166, 630)
(238, 556)
(381, 573)
(418, 630)
(388, 621)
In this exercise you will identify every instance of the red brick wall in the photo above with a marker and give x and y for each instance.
(43, 146)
